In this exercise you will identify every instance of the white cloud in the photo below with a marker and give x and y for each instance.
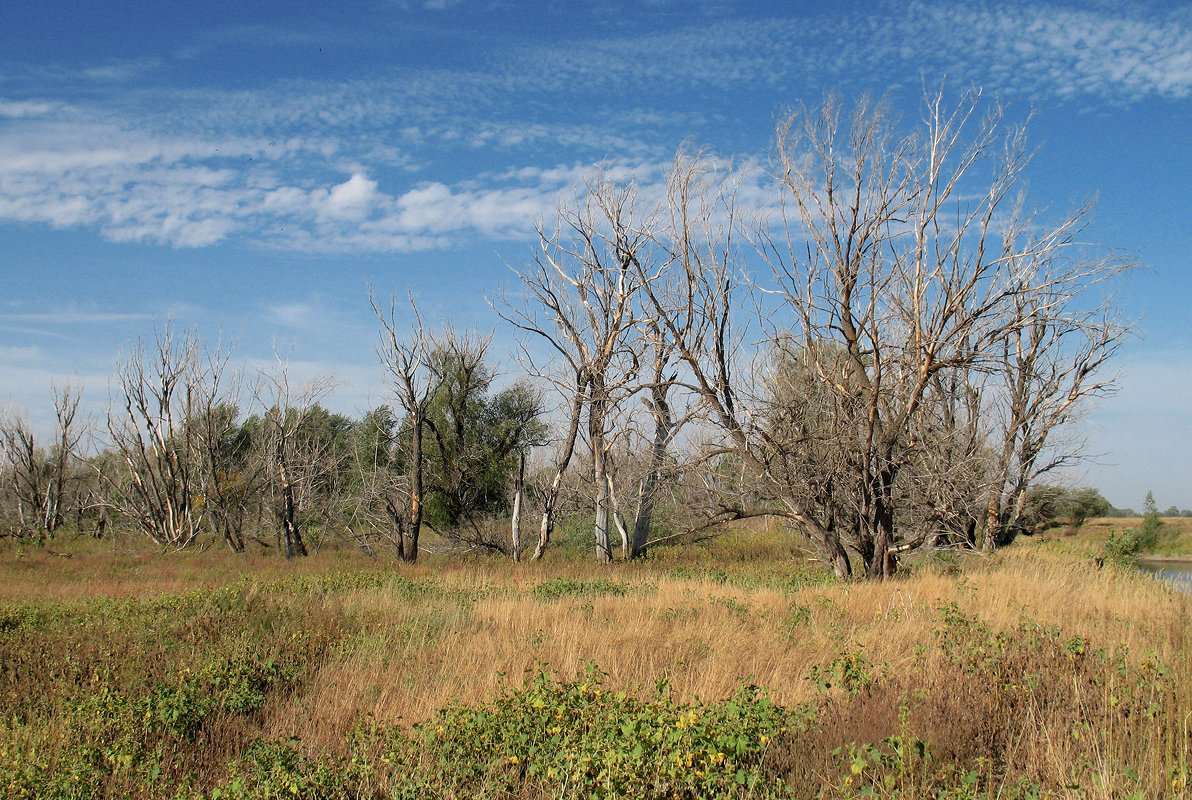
(1069, 53)
(352, 199)
(430, 207)
(121, 72)
(290, 194)
(21, 354)
(192, 192)
(1033, 49)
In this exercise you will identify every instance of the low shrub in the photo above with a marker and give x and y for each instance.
(1122, 547)
(577, 740)
(562, 587)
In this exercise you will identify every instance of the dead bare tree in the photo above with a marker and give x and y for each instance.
(1052, 362)
(232, 479)
(39, 479)
(582, 293)
(743, 465)
(407, 357)
(291, 461)
(381, 497)
(515, 519)
(951, 465)
(574, 393)
(669, 406)
(898, 276)
(155, 394)
(895, 250)
(24, 472)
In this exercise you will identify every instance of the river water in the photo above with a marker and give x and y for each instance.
(1177, 573)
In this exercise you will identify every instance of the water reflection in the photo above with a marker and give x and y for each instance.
(1177, 573)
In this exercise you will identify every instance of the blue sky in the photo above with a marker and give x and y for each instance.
(252, 167)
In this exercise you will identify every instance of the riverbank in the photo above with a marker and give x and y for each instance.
(1165, 560)
(1174, 539)
(1028, 673)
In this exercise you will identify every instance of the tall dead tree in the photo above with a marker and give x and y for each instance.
(1052, 361)
(697, 301)
(40, 478)
(564, 452)
(407, 357)
(232, 479)
(156, 392)
(291, 461)
(582, 292)
(25, 469)
(665, 426)
(669, 406)
(914, 255)
(900, 267)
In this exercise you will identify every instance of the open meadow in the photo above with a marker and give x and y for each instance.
(732, 668)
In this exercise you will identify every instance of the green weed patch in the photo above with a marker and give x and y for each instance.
(563, 587)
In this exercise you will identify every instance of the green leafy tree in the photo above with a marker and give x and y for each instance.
(1152, 523)
(1127, 545)
(478, 441)
(1046, 506)
(450, 454)
(1043, 506)
(1084, 504)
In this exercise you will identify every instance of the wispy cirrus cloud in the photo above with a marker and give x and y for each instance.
(121, 71)
(1037, 49)
(365, 163)
(1043, 50)
(69, 317)
(19, 109)
(70, 168)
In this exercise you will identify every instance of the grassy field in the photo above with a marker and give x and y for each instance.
(1175, 538)
(734, 668)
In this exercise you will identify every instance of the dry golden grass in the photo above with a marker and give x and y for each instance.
(705, 636)
(412, 639)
